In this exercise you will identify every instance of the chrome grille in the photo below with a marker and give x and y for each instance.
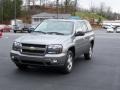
(33, 49)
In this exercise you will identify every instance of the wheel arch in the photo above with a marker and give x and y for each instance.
(92, 43)
(72, 48)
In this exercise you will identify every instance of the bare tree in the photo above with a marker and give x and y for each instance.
(102, 9)
(66, 5)
(109, 12)
(70, 6)
(92, 7)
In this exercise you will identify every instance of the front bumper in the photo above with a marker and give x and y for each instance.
(47, 60)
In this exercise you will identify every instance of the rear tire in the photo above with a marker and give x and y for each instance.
(14, 31)
(29, 31)
(21, 31)
(88, 55)
(67, 68)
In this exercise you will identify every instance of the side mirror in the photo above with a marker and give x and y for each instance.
(79, 33)
(32, 29)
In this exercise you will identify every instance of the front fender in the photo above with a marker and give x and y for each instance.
(67, 46)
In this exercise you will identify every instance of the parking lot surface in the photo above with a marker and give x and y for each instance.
(101, 73)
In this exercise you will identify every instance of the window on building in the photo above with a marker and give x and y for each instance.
(36, 19)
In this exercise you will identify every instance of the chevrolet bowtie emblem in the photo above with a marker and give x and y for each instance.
(32, 48)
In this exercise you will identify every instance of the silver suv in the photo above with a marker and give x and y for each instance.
(55, 42)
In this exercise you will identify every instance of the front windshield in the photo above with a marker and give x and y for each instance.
(55, 26)
(110, 28)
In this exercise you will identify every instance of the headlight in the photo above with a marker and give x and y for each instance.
(54, 49)
(16, 46)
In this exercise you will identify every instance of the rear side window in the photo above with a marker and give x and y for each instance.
(88, 25)
(78, 26)
(81, 26)
(84, 27)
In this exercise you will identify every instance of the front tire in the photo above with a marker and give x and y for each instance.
(67, 68)
(88, 56)
(21, 66)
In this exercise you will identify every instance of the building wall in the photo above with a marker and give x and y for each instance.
(38, 20)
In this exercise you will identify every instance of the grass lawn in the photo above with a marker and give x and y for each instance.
(88, 15)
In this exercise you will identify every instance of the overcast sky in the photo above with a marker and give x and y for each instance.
(114, 4)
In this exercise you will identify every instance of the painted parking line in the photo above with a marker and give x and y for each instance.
(3, 37)
(6, 37)
(104, 37)
(107, 33)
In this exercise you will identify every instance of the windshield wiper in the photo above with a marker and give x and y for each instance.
(40, 32)
(55, 33)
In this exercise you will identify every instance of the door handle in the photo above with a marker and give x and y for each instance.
(86, 37)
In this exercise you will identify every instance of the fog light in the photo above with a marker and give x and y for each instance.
(55, 61)
(12, 57)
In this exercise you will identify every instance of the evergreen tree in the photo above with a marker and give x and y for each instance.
(7, 9)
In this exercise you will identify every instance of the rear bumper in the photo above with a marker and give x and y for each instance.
(25, 29)
(47, 60)
(110, 31)
(117, 31)
(17, 30)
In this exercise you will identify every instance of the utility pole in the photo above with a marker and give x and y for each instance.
(75, 7)
(29, 11)
(40, 3)
(61, 6)
(15, 11)
(2, 10)
(33, 1)
(57, 7)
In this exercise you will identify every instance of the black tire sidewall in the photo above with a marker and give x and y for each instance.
(21, 66)
(87, 55)
(65, 69)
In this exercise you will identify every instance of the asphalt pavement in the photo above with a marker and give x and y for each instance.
(101, 73)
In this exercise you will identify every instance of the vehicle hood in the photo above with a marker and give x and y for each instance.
(43, 39)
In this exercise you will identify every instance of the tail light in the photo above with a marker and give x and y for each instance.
(0, 34)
